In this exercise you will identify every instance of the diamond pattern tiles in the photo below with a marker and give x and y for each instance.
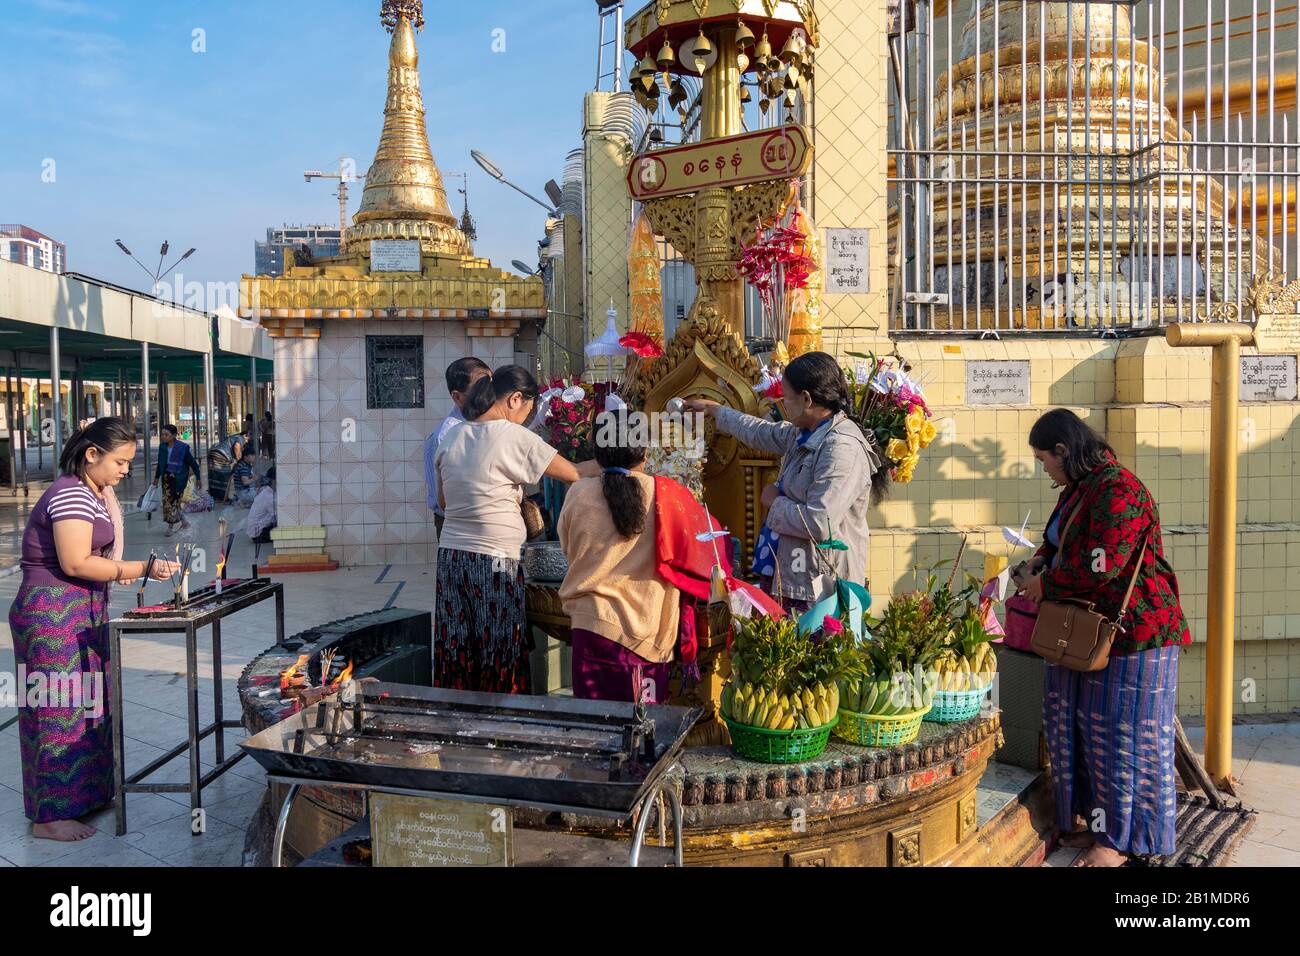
(851, 115)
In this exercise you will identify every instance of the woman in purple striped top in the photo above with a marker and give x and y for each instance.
(72, 551)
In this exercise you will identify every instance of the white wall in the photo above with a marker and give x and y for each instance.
(369, 494)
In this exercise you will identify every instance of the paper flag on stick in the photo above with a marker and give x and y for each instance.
(1016, 538)
(1001, 585)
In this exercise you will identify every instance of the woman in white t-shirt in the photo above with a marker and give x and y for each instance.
(480, 636)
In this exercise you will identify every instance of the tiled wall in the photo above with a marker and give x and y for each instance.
(360, 472)
(980, 475)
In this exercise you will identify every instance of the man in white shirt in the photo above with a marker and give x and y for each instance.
(461, 375)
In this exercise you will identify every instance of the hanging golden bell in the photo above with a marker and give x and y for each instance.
(742, 62)
(666, 57)
(764, 48)
(763, 104)
(744, 36)
(646, 66)
(702, 47)
(744, 93)
(790, 52)
(774, 86)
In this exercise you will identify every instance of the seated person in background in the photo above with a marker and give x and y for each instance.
(261, 517)
(243, 480)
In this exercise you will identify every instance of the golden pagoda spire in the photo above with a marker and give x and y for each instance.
(404, 197)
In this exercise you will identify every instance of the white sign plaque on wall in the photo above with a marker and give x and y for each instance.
(997, 383)
(847, 255)
(1268, 378)
(394, 255)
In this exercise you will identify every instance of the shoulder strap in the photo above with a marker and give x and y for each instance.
(1134, 579)
(1069, 521)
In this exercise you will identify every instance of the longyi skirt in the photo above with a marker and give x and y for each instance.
(65, 742)
(481, 639)
(1110, 736)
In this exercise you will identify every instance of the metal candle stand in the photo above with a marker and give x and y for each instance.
(612, 760)
(202, 609)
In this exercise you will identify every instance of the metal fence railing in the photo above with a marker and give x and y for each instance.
(1088, 166)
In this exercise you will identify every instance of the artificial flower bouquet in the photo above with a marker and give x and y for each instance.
(890, 407)
(568, 409)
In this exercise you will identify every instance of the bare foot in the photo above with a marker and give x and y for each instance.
(65, 831)
(1077, 839)
(1102, 856)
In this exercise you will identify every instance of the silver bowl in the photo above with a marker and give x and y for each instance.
(545, 561)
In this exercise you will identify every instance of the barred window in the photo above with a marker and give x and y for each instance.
(394, 371)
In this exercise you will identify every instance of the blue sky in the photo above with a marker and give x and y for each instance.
(151, 140)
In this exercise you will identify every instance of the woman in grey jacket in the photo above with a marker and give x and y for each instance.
(825, 483)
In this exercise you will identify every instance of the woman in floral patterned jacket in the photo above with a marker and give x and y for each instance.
(1110, 733)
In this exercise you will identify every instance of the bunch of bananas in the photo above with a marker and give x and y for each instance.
(885, 696)
(967, 673)
(757, 706)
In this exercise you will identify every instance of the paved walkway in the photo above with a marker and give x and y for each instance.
(1266, 765)
(154, 688)
(14, 509)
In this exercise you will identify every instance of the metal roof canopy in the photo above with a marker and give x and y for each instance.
(103, 355)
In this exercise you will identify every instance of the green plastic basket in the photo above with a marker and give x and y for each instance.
(951, 706)
(873, 730)
(778, 746)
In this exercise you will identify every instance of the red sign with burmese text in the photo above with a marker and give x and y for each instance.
(779, 153)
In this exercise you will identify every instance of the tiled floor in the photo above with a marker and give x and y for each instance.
(1266, 765)
(154, 688)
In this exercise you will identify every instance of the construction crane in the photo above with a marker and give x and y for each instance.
(346, 174)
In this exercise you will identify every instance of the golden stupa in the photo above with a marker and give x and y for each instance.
(404, 204)
(1038, 131)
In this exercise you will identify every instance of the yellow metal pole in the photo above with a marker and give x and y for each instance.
(720, 116)
(1220, 602)
(1225, 339)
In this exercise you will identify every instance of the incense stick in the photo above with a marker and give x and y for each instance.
(148, 569)
(957, 562)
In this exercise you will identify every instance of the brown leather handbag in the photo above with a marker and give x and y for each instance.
(1071, 633)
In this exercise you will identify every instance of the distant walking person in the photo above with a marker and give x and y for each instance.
(175, 463)
(268, 435)
(250, 433)
(71, 552)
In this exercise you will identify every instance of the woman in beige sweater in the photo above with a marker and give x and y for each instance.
(624, 615)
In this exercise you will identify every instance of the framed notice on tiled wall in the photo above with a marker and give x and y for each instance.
(847, 255)
(997, 382)
(1268, 378)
